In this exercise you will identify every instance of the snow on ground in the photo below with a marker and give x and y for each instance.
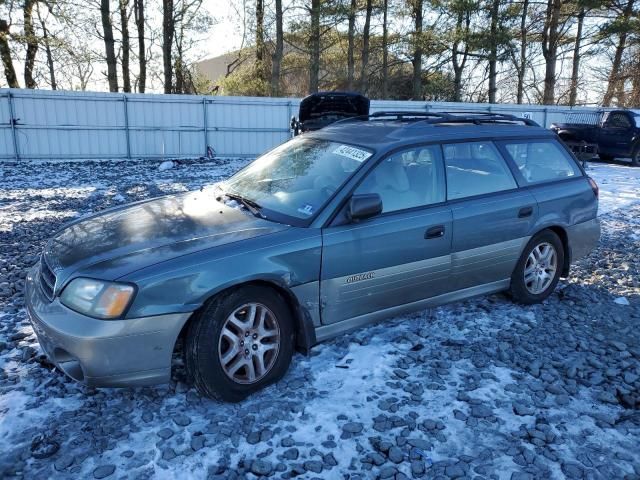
(479, 388)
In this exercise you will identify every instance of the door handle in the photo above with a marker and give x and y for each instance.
(525, 212)
(434, 232)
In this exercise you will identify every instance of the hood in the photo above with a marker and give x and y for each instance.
(334, 104)
(118, 241)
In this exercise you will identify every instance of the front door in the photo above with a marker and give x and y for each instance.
(399, 257)
(616, 134)
(491, 217)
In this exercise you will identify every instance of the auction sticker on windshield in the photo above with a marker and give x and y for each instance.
(352, 152)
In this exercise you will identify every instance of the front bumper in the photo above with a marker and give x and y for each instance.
(103, 353)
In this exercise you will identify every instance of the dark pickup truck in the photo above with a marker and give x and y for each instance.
(613, 133)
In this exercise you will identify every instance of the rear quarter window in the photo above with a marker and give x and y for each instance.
(541, 160)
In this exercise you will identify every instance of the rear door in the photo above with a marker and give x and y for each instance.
(492, 217)
(563, 193)
(399, 257)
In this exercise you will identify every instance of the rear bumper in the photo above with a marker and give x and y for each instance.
(103, 353)
(583, 238)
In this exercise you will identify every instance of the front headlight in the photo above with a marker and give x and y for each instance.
(97, 298)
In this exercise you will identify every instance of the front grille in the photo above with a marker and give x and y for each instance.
(47, 279)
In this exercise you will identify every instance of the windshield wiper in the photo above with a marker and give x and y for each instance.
(250, 205)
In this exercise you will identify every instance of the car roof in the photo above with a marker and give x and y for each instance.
(384, 135)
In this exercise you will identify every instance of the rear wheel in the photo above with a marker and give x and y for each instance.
(538, 270)
(239, 343)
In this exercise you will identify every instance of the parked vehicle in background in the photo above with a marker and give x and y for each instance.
(331, 231)
(608, 134)
(321, 109)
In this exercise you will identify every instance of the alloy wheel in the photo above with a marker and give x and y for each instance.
(541, 267)
(249, 343)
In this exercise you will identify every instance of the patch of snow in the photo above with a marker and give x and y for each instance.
(167, 165)
(621, 301)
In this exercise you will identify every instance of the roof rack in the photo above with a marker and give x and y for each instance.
(434, 118)
(480, 117)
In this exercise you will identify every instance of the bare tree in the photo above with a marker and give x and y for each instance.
(5, 53)
(385, 49)
(276, 58)
(575, 64)
(614, 84)
(126, 45)
(31, 41)
(47, 48)
(521, 66)
(138, 8)
(365, 48)
(168, 31)
(314, 47)
(417, 6)
(351, 33)
(109, 45)
(550, 41)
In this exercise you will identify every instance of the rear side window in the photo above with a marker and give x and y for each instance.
(541, 161)
(475, 168)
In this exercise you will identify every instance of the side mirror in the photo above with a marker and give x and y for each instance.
(364, 206)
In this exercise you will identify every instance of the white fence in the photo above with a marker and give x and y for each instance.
(43, 125)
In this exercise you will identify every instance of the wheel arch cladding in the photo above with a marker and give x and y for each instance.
(303, 325)
(564, 238)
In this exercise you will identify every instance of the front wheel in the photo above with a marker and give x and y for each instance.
(635, 156)
(240, 342)
(538, 270)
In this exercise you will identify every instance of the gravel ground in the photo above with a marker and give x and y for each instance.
(479, 389)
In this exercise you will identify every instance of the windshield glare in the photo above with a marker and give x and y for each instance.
(298, 178)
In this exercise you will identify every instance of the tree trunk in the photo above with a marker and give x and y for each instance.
(168, 30)
(126, 45)
(109, 45)
(385, 48)
(47, 49)
(575, 67)
(417, 51)
(458, 65)
(32, 44)
(364, 80)
(260, 66)
(550, 37)
(493, 52)
(614, 75)
(276, 58)
(351, 33)
(138, 8)
(5, 54)
(522, 68)
(314, 47)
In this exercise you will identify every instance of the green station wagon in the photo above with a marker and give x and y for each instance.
(333, 230)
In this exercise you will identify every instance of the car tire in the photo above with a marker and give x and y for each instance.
(538, 270)
(606, 158)
(254, 351)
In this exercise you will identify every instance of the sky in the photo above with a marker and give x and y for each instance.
(225, 33)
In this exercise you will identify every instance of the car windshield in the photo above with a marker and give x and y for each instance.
(297, 179)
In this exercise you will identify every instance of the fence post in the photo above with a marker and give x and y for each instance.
(204, 127)
(126, 125)
(545, 117)
(13, 120)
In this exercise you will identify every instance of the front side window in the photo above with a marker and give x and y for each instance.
(475, 168)
(541, 161)
(618, 120)
(297, 179)
(408, 179)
